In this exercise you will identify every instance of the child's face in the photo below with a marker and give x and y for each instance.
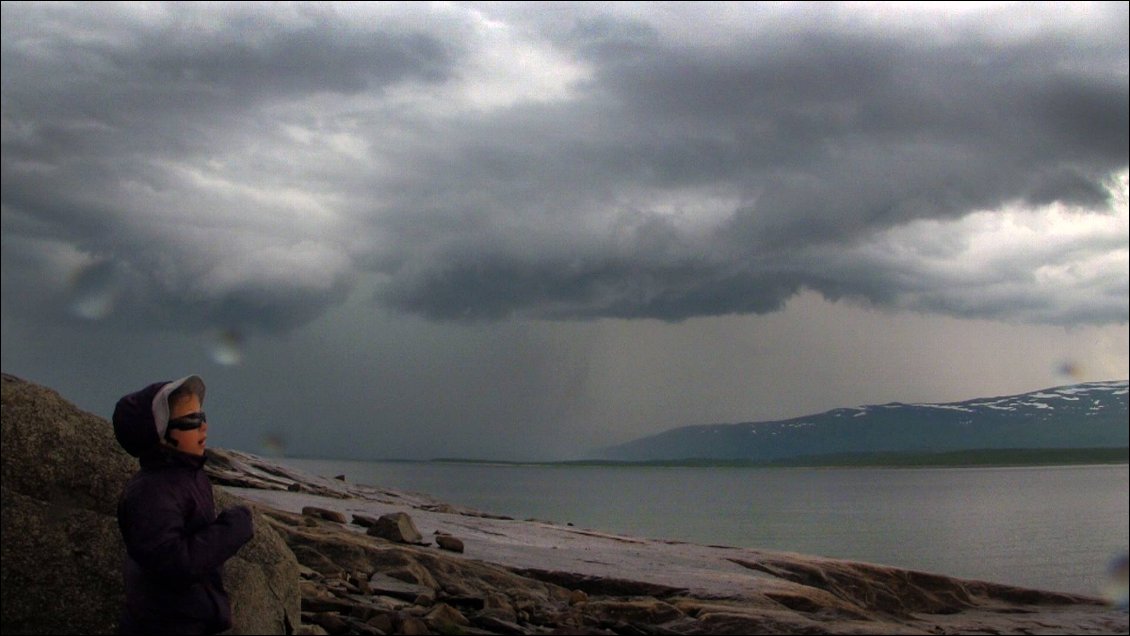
(191, 441)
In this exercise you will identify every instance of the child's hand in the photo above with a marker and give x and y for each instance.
(239, 519)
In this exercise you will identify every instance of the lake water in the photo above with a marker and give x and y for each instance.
(1049, 527)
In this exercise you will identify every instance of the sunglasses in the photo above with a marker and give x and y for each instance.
(189, 422)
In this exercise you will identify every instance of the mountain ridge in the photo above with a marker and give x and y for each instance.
(1085, 415)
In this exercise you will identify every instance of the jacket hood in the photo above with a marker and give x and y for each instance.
(141, 418)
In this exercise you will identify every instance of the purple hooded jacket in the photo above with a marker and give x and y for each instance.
(175, 543)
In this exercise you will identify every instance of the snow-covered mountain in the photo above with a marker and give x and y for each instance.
(1091, 415)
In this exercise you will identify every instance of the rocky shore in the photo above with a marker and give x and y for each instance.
(333, 557)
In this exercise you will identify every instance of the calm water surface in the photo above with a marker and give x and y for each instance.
(1052, 527)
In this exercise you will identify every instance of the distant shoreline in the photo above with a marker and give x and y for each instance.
(986, 458)
(964, 458)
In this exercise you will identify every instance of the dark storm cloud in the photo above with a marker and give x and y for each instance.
(105, 112)
(249, 164)
(490, 287)
(821, 139)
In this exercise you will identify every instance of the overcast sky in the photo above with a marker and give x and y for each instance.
(522, 231)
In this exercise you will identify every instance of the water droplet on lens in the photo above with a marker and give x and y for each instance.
(227, 348)
(1070, 369)
(94, 291)
(1116, 583)
(274, 444)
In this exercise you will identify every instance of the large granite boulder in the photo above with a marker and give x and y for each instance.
(62, 471)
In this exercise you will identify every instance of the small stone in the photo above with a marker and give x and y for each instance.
(362, 583)
(340, 477)
(295, 487)
(578, 596)
(449, 543)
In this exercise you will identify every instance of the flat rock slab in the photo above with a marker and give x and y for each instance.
(384, 584)
(727, 589)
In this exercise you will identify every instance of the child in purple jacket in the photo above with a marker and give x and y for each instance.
(176, 544)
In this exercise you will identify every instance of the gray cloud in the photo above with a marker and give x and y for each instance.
(516, 230)
(245, 167)
(110, 121)
(816, 140)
